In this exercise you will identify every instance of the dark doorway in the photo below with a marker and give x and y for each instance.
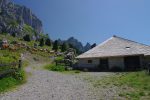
(104, 64)
(132, 63)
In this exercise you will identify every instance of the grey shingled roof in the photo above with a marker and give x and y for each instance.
(116, 46)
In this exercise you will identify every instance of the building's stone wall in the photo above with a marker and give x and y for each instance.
(84, 62)
(112, 61)
(116, 62)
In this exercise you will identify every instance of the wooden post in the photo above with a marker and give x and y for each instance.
(20, 64)
(56, 62)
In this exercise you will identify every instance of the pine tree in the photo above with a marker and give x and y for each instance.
(41, 42)
(27, 38)
(55, 45)
(14, 34)
(48, 42)
(64, 47)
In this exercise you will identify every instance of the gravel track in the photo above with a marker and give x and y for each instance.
(46, 85)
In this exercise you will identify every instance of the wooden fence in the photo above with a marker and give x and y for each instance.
(14, 66)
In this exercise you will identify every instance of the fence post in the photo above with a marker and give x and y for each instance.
(56, 62)
(20, 64)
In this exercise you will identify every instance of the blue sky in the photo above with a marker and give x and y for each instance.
(93, 20)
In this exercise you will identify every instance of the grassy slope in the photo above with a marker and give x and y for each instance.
(7, 57)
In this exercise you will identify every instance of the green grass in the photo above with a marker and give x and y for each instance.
(7, 83)
(8, 57)
(43, 54)
(138, 82)
(8, 37)
(12, 81)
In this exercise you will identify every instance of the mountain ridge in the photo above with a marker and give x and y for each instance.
(76, 43)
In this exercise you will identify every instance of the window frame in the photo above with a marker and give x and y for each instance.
(89, 61)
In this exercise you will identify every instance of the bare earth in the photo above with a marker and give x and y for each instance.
(46, 85)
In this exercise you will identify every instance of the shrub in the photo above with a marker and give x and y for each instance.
(57, 68)
(19, 75)
(59, 58)
(53, 67)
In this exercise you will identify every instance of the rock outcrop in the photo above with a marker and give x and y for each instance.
(11, 13)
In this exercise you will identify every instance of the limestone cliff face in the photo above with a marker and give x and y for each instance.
(22, 15)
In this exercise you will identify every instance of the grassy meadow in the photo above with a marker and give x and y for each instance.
(130, 85)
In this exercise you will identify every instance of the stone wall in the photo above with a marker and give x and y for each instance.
(116, 62)
(84, 62)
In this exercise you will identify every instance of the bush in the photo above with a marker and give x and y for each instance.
(19, 75)
(57, 68)
(53, 67)
(59, 58)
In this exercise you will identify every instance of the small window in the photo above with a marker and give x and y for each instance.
(128, 48)
(89, 61)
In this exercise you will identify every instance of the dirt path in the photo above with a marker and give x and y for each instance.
(46, 85)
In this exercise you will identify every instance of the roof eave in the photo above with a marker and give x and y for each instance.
(111, 56)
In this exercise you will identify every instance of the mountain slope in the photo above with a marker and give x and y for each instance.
(13, 17)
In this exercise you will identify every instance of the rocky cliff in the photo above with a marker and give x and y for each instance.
(11, 13)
